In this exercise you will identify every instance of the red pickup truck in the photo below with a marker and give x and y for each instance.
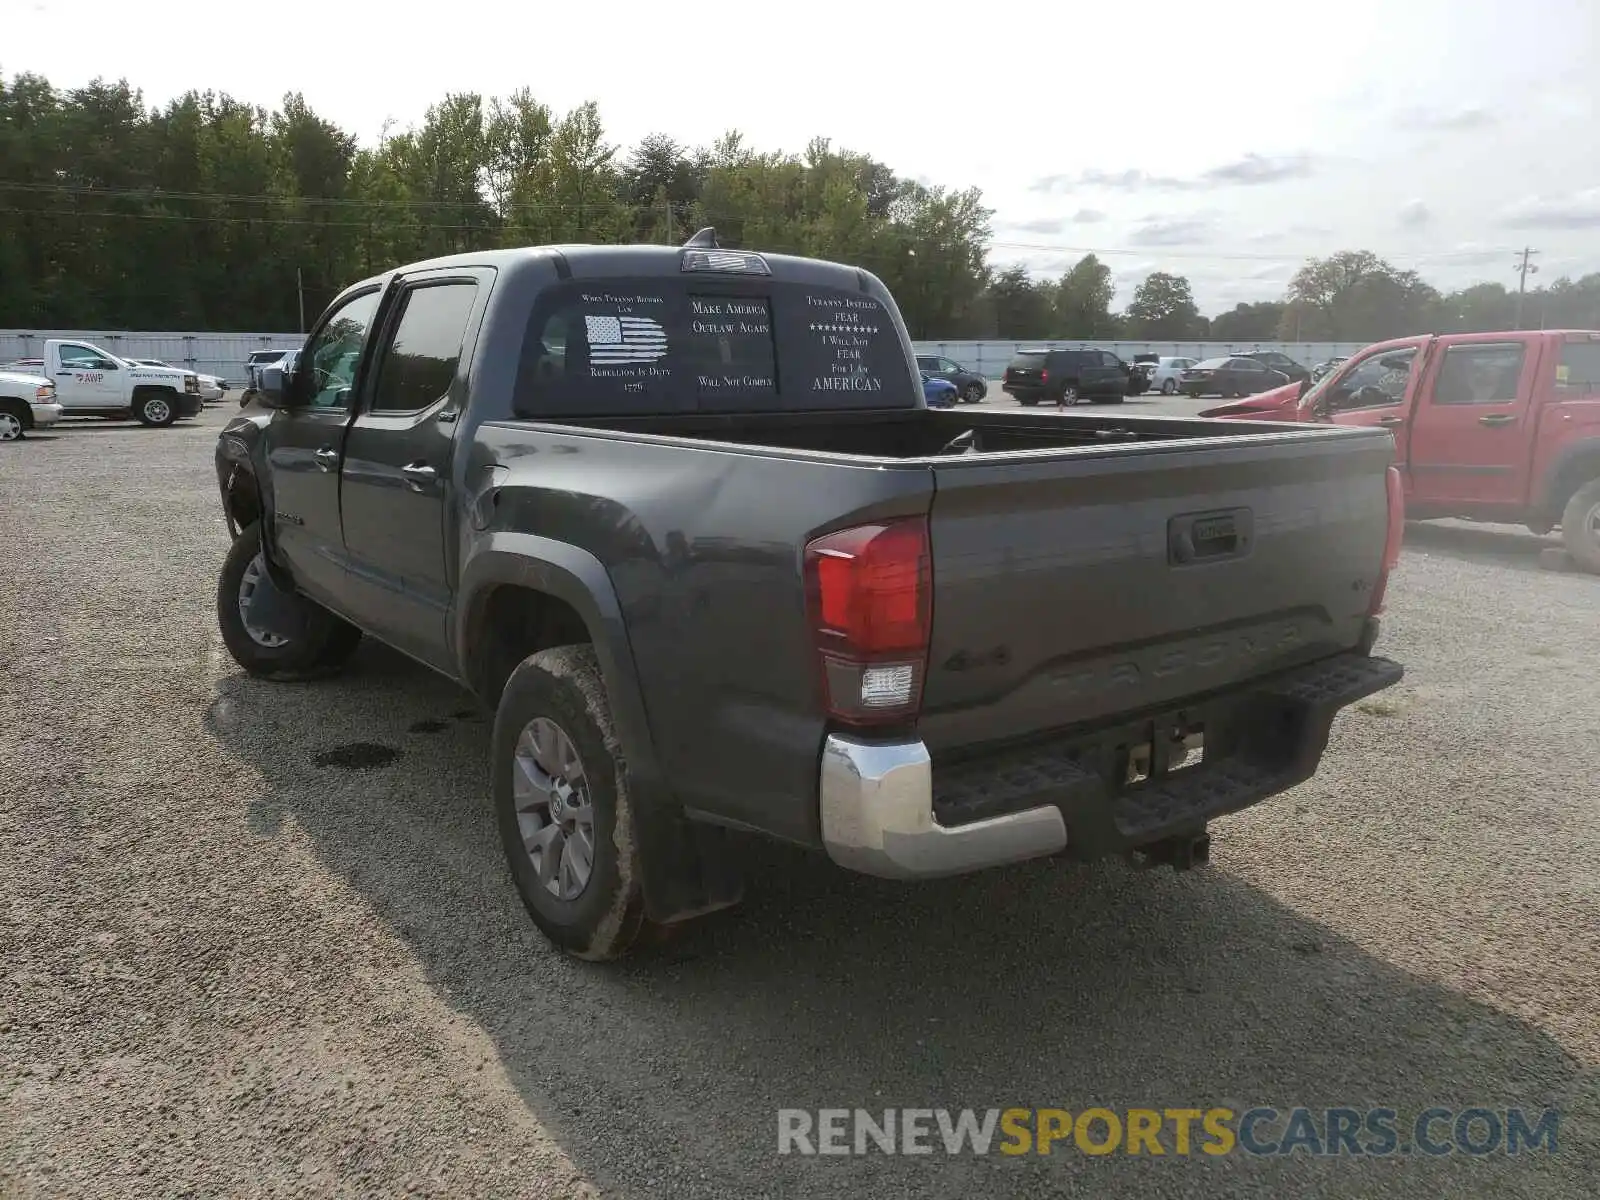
(1501, 427)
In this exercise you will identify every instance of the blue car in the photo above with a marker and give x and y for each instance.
(938, 393)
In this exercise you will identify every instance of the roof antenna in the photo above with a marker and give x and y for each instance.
(706, 239)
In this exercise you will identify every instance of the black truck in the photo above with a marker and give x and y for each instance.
(680, 517)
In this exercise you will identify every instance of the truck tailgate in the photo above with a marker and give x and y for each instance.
(1076, 586)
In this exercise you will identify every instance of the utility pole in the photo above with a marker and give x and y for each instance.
(300, 287)
(1524, 269)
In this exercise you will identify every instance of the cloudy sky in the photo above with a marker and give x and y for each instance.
(1225, 141)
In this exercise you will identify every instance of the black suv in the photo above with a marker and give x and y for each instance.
(1066, 376)
(1281, 363)
(970, 386)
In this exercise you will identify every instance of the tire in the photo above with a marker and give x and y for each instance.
(1068, 397)
(554, 710)
(1580, 526)
(1169, 388)
(972, 395)
(13, 423)
(155, 408)
(322, 647)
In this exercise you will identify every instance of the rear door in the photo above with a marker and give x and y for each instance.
(1100, 582)
(1100, 373)
(1255, 376)
(1472, 437)
(396, 483)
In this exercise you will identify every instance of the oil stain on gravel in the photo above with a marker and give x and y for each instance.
(358, 756)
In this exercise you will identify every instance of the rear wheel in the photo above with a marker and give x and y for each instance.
(1069, 396)
(1580, 526)
(154, 408)
(562, 804)
(973, 393)
(321, 645)
(1168, 387)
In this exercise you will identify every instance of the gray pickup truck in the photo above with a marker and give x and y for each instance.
(680, 517)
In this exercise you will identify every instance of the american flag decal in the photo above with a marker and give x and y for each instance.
(615, 340)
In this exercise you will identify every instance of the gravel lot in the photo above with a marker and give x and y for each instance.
(232, 966)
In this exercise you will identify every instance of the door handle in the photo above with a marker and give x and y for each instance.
(417, 474)
(1496, 419)
(1391, 422)
(327, 459)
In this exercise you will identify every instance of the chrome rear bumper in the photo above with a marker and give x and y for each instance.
(877, 817)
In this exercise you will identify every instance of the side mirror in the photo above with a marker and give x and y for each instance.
(273, 388)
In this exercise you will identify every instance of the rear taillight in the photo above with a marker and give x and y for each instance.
(1044, 376)
(1396, 534)
(869, 591)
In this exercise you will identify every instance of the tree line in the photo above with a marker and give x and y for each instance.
(210, 213)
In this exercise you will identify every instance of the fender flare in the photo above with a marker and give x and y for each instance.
(686, 868)
(578, 578)
(1550, 502)
(236, 456)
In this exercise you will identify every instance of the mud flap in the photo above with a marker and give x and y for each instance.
(687, 868)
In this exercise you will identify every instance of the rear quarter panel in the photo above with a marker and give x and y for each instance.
(702, 546)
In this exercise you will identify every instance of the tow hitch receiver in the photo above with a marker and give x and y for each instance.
(1179, 853)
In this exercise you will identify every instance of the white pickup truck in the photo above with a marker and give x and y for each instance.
(91, 382)
(27, 401)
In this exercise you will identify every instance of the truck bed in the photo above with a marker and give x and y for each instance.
(1085, 568)
(919, 433)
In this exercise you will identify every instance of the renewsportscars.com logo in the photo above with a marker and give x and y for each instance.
(1263, 1132)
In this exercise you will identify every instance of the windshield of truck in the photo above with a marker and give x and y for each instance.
(615, 347)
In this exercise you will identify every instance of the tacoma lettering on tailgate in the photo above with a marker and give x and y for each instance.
(1168, 660)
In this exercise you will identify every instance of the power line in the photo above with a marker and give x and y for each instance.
(646, 214)
(1224, 256)
(652, 213)
(157, 194)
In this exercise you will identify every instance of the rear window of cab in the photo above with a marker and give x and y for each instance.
(618, 347)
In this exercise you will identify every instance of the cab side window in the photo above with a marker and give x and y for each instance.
(1579, 367)
(419, 365)
(1481, 374)
(82, 358)
(335, 352)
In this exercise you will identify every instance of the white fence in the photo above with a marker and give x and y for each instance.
(224, 354)
(989, 359)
